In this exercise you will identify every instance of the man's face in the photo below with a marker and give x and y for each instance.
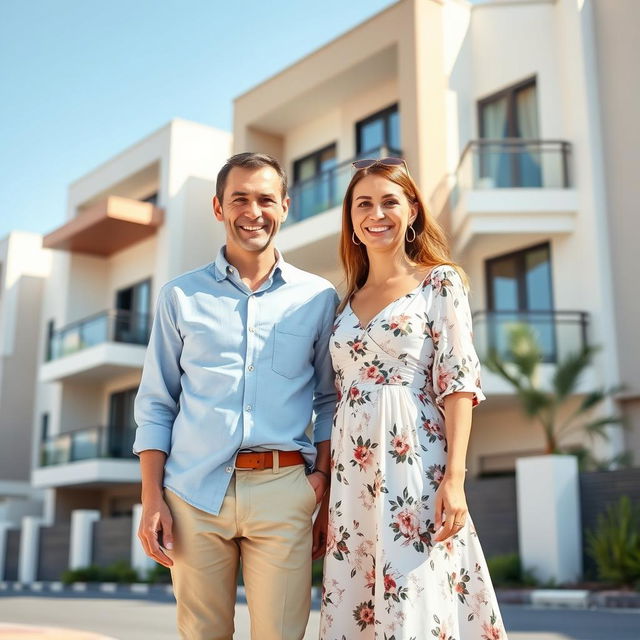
(252, 208)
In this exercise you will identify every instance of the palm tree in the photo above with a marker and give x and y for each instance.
(520, 366)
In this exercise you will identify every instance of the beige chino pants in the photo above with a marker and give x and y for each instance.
(265, 520)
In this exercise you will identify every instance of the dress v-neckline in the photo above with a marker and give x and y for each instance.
(375, 316)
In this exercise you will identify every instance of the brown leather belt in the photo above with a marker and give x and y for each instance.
(264, 459)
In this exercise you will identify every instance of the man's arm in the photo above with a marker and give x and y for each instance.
(156, 408)
(156, 523)
(324, 400)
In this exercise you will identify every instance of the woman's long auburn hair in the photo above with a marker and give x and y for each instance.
(429, 249)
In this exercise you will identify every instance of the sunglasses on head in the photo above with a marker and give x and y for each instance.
(389, 162)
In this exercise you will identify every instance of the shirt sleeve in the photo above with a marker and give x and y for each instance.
(456, 366)
(156, 404)
(324, 397)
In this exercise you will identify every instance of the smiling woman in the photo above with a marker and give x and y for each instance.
(402, 555)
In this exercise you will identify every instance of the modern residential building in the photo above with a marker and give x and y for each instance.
(133, 223)
(24, 268)
(495, 107)
(518, 126)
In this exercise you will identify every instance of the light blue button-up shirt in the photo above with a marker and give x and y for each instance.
(228, 368)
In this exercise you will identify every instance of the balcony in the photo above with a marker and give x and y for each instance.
(310, 234)
(559, 334)
(106, 227)
(89, 456)
(98, 347)
(512, 186)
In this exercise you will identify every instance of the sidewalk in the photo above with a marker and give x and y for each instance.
(132, 619)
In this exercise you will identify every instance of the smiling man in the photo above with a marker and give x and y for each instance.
(237, 363)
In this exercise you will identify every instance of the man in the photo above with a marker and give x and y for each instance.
(237, 360)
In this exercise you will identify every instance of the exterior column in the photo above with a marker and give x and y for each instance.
(140, 561)
(549, 523)
(81, 538)
(29, 549)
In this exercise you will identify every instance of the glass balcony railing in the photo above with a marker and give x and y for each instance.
(108, 326)
(87, 444)
(513, 163)
(559, 333)
(326, 190)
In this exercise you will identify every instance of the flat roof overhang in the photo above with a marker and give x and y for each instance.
(108, 226)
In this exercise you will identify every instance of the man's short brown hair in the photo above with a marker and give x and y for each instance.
(249, 161)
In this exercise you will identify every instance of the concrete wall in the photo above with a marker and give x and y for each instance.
(24, 267)
(616, 28)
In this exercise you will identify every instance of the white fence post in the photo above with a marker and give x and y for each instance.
(29, 549)
(549, 523)
(81, 539)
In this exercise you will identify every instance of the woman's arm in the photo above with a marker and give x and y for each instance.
(450, 501)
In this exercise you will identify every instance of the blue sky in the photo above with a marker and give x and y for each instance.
(82, 79)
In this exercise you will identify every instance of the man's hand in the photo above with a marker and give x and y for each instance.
(319, 483)
(155, 526)
(320, 530)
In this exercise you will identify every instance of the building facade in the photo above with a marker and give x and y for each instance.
(24, 269)
(133, 223)
(496, 107)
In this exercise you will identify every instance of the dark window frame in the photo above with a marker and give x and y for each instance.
(316, 155)
(519, 254)
(382, 113)
(520, 257)
(510, 93)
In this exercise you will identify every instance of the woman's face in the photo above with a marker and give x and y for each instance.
(381, 213)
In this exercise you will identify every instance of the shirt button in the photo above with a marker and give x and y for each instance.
(250, 367)
(248, 407)
(229, 469)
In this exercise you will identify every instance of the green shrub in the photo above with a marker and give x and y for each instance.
(83, 574)
(614, 545)
(159, 575)
(506, 571)
(119, 572)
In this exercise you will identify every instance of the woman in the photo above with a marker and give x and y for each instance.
(402, 557)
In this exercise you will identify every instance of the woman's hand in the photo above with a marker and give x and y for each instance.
(451, 508)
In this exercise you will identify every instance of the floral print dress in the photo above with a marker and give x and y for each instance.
(384, 576)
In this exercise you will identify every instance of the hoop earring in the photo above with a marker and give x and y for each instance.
(353, 238)
(406, 235)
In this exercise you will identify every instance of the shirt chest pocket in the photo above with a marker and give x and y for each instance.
(292, 351)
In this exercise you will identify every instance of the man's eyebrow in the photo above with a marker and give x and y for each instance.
(239, 193)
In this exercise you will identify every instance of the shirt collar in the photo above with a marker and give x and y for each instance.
(223, 268)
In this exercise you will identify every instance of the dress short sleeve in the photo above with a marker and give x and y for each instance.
(456, 366)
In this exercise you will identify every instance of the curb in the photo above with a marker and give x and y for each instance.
(540, 598)
(570, 598)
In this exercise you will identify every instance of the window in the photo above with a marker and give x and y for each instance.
(122, 426)
(511, 114)
(519, 289)
(380, 130)
(44, 427)
(132, 321)
(314, 183)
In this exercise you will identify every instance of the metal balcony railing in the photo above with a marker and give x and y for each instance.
(513, 163)
(326, 190)
(87, 444)
(107, 326)
(559, 333)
